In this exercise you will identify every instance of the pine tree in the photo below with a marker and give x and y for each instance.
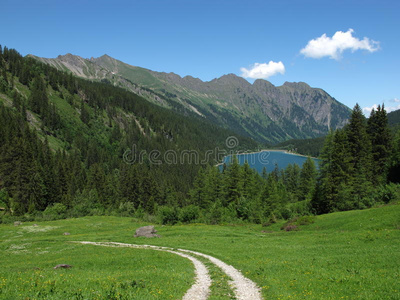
(308, 180)
(84, 113)
(359, 143)
(361, 152)
(381, 140)
(232, 182)
(394, 169)
(38, 100)
(335, 170)
(292, 180)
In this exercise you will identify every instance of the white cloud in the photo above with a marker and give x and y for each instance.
(396, 100)
(263, 71)
(367, 110)
(334, 46)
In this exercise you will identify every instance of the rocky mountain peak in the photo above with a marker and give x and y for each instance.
(297, 85)
(261, 83)
(231, 79)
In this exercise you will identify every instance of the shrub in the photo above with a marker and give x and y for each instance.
(139, 213)
(189, 214)
(216, 212)
(55, 211)
(388, 193)
(84, 203)
(167, 215)
(243, 209)
(126, 209)
(271, 220)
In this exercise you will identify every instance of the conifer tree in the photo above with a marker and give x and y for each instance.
(38, 100)
(381, 140)
(359, 143)
(308, 180)
(232, 182)
(394, 169)
(84, 113)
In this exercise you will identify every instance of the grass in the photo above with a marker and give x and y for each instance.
(346, 255)
(29, 254)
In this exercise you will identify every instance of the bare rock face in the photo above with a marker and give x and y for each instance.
(146, 231)
(64, 266)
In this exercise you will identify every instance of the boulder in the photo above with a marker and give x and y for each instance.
(146, 231)
(66, 233)
(17, 223)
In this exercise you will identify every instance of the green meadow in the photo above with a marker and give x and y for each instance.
(344, 255)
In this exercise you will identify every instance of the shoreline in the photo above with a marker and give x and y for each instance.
(264, 150)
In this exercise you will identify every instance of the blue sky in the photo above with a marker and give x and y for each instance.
(358, 59)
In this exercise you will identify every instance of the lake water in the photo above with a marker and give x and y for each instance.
(268, 159)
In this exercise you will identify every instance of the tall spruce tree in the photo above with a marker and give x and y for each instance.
(381, 143)
(308, 180)
(361, 157)
(38, 100)
(232, 185)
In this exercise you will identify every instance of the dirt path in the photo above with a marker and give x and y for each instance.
(244, 288)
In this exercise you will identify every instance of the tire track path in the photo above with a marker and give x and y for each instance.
(244, 288)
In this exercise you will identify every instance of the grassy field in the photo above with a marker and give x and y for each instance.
(346, 255)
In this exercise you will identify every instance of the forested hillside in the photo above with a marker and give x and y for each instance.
(360, 168)
(91, 147)
(310, 147)
(313, 147)
(394, 119)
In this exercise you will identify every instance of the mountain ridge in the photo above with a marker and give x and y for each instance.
(260, 110)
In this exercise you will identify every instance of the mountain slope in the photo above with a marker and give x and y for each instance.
(260, 110)
(394, 118)
(71, 141)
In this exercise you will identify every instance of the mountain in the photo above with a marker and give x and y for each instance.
(394, 118)
(265, 112)
(86, 144)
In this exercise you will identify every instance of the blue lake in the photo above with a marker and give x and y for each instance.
(268, 159)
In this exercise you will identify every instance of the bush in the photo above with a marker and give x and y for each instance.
(140, 213)
(167, 215)
(126, 209)
(55, 211)
(84, 203)
(216, 213)
(271, 220)
(189, 214)
(388, 193)
(243, 209)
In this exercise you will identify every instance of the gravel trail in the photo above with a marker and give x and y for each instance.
(200, 290)
(244, 288)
